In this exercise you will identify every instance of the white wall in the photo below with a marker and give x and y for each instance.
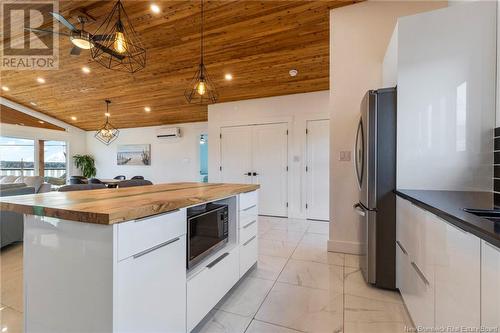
(390, 63)
(446, 98)
(74, 137)
(171, 161)
(295, 110)
(359, 35)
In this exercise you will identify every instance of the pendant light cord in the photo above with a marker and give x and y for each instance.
(201, 39)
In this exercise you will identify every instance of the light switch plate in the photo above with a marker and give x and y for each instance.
(345, 156)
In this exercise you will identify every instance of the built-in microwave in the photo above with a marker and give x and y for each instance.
(207, 231)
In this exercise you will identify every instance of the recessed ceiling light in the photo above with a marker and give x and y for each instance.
(107, 114)
(85, 69)
(41, 122)
(293, 72)
(228, 77)
(155, 8)
(5, 88)
(40, 80)
(73, 118)
(147, 109)
(33, 103)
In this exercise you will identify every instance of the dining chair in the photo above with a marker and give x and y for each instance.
(137, 177)
(134, 182)
(121, 177)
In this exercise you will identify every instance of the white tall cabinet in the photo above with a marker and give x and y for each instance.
(490, 282)
(258, 154)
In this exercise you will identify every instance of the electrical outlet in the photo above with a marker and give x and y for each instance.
(345, 156)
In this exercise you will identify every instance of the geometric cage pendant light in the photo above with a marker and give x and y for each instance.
(116, 45)
(201, 89)
(107, 133)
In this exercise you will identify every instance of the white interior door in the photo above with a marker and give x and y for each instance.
(236, 154)
(270, 159)
(318, 170)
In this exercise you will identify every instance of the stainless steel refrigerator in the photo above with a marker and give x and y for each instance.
(375, 167)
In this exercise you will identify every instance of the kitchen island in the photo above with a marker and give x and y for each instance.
(114, 260)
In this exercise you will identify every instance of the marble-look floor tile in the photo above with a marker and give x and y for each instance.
(257, 326)
(313, 275)
(283, 235)
(376, 327)
(319, 227)
(246, 298)
(289, 224)
(11, 321)
(352, 260)
(275, 248)
(218, 321)
(268, 267)
(303, 309)
(358, 309)
(313, 247)
(11, 259)
(354, 284)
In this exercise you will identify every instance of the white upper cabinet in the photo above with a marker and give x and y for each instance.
(490, 285)
(446, 97)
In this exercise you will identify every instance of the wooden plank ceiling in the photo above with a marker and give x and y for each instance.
(258, 42)
(11, 116)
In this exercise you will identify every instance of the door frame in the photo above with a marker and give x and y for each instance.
(287, 123)
(306, 157)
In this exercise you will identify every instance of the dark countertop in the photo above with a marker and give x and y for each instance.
(449, 205)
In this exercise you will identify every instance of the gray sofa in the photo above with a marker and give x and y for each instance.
(12, 224)
(32, 181)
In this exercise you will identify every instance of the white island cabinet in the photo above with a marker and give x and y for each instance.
(104, 272)
(490, 283)
(438, 269)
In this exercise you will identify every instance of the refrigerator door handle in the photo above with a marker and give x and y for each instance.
(359, 209)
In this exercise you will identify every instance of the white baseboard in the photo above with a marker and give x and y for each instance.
(344, 247)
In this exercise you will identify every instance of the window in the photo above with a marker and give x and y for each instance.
(54, 161)
(17, 156)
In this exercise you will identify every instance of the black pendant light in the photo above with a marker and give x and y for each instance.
(107, 133)
(201, 90)
(116, 45)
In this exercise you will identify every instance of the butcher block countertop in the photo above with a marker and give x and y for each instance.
(115, 205)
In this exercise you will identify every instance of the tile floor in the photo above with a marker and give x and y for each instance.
(297, 286)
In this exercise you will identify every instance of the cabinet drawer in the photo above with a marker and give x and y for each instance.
(143, 234)
(248, 200)
(151, 290)
(248, 214)
(248, 230)
(205, 289)
(416, 290)
(248, 254)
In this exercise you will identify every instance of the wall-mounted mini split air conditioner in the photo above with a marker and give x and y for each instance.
(168, 133)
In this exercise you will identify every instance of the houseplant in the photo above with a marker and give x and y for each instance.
(86, 164)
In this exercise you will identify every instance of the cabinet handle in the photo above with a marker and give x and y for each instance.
(216, 261)
(402, 247)
(248, 241)
(419, 273)
(249, 224)
(154, 248)
(248, 208)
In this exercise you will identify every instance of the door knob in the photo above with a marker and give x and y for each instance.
(255, 174)
(247, 174)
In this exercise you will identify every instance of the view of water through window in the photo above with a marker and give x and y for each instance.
(17, 156)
